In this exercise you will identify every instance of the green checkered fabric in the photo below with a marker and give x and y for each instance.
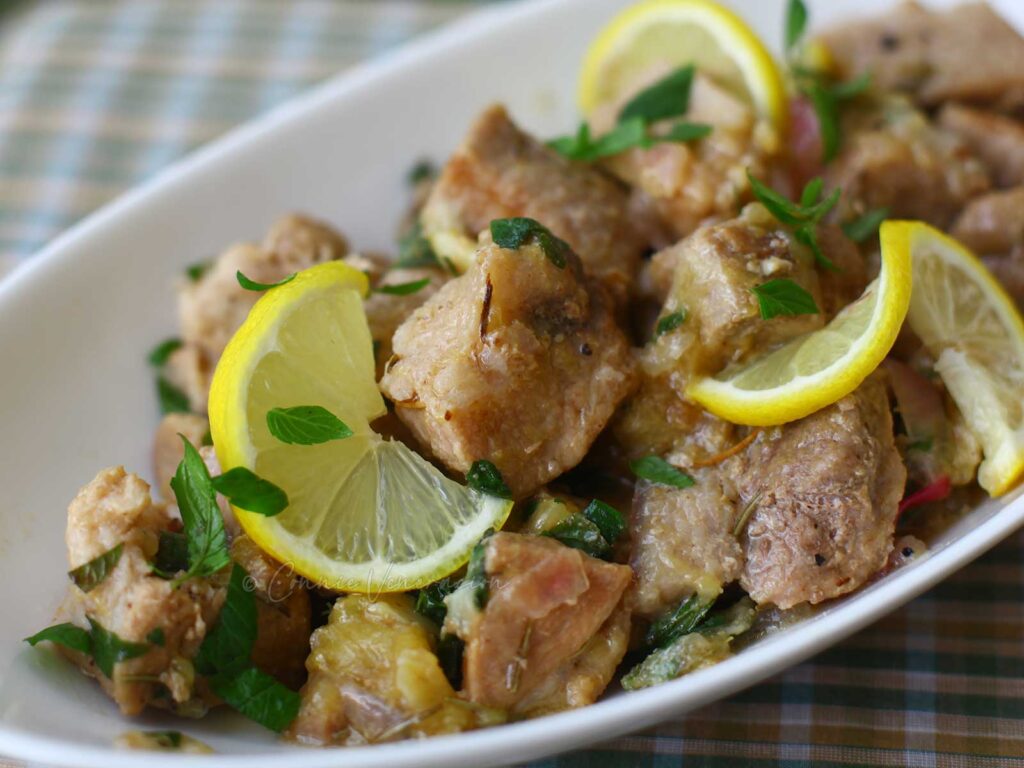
(98, 96)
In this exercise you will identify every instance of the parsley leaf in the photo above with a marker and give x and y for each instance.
(679, 622)
(657, 470)
(108, 649)
(252, 285)
(796, 23)
(204, 526)
(172, 399)
(228, 645)
(516, 232)
(259, 697)
(247, 490)
(670, 322)
(66, 634)
(306, 425)
(403, 289)
(159, 354)
(484, 477)
(88, 575)
(783, 297)
(669, 97)
(866, 225)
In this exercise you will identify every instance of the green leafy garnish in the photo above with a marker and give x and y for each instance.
(247, 490)
(164, 739)
(259, 697)
(578, 532)
(414, 250)
(403, 289)
(423, 170)
(924, 445)
(430, 600)
(681, 621)
(172, 399)
(681, 133)
(657, 470)
(200, 515)
(802, 217)
(783, 297)
(516, 232)
(306, 425)
(66, 634)
(159, 354)
(607, 519)
(476, 574)
(668, 323)
(866, 225)
(107, 649)
(171, 554)
(90, 574)
(632, 133)
(252, 285)
(157, 637)
(196, 271)
(669, 97)
(484, 477)
(796, 23)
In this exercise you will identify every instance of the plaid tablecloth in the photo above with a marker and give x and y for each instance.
(97, 96)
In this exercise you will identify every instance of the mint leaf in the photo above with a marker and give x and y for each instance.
(172, 399)
(306, 425)
(785, 211)
(171, 554)
(684, 132)
(607, 518)
(626, 135)
(90, 574)
(670, 322)
(414, 250)
(783, 297)
(195, 272)
(159, 354)
(403, 289)
(227, 647)
(669, 97)
(476, 572)
(808, 235)
(157, 637)
(430, 600)
(108, 649)
(516, 232)
(484, 477)
(578, 532)
(657, 470)
(796, 23)
(204, 526)
(866, 225)
(252, 285)
(66, 634)
(802, 217)
(247, 490)
(681, 621)
(259, 697)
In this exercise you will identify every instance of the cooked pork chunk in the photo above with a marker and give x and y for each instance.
(993, 227)
(132, 602)
(683, 541)
(385, 312)
(373, 676)
(168, 449)
(212, 308)
(686, 184)
(996, 140)
(517, 361)
(546, 601)
(894, 158)
(825, 491)
(500, 172)
(965, 54)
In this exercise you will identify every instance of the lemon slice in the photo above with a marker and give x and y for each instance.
(365, 514)
(679, 32)
(976, 334)
(818, 368)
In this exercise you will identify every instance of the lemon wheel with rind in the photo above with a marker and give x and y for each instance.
(365, 514)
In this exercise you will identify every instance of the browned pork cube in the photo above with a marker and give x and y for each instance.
(998, 141)
(993, 227)
(518, 362)
(966, 54)
(386, 311)
(825, 492)
(545, 602)
(500, 172)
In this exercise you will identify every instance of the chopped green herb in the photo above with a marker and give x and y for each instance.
(159, 354)
(247, 490)
(157, 637)
(207, 438)
(306, 425)
(657, 470)
(90, 574)
(670, 322)
(796, 23)
(924, 445)
(171, 554)
(414, 250)
(259, 697)
(172, 399)
(404, 289)
(516, 232)
(484, 477)
(430, 600)
(607, 518)
(66, 634)
(578, 532)
(783, 297)
(165, 739)
(802, 217)
(252, 285)
(681, 621)
(200, 515)
(866, 225)
(228, 645)
(476, 573)
(196, 271)
(669, 97)
(630, 134)
(108, 649)
(422, 171)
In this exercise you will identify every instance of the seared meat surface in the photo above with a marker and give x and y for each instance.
(500, 172)
(997, 140)
(518, 361)
(993, 227)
